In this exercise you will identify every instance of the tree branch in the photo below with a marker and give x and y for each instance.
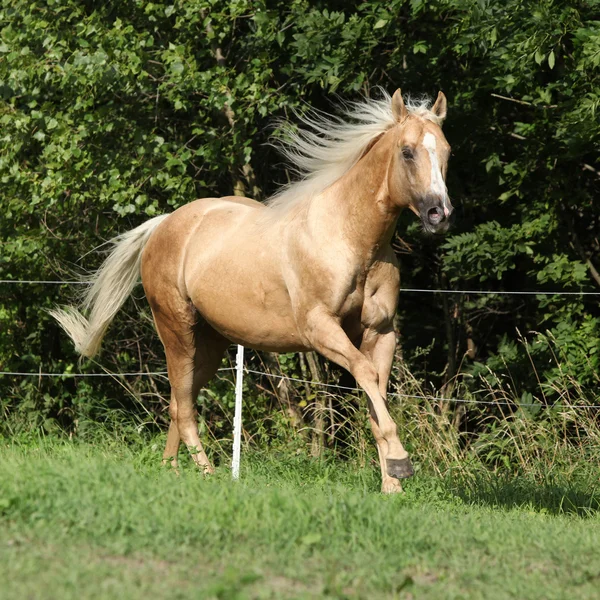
(523, 102)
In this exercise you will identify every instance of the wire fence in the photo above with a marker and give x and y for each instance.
(106, 374)
(40, 373)
(313, 383)
(408, 290)
(71, 374)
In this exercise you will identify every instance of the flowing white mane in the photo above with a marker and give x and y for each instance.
(328, 146)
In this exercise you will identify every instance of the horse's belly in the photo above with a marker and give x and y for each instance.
(244, 320)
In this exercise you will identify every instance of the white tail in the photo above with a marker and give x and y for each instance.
(109, 288)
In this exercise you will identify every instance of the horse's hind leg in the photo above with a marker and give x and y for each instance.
(194, 351)
(173, 439)
(210, 347)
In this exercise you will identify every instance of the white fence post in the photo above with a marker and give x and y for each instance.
(237, 418)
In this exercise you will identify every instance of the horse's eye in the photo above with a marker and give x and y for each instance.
(407, 153)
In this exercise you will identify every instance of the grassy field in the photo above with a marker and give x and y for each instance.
(106, 521)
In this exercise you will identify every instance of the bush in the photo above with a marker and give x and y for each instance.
(115, 112)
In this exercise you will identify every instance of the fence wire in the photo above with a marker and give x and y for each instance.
(320, 384)
(421, 397)
(408, 290)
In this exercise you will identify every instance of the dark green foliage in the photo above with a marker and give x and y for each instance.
(114, 112)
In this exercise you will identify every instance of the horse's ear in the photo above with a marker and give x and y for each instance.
(440, 107)
(398, 108)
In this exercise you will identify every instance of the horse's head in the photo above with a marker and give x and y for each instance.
(417, 173)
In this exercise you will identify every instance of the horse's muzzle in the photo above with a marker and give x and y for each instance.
(435, 214)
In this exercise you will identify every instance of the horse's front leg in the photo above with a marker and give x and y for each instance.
(327, 337)
(379, 345)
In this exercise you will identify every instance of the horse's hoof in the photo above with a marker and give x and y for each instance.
(391, 486)
(400, 468)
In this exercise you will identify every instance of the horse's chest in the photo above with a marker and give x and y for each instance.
(371, 302)
(353, 302)
(351, 311)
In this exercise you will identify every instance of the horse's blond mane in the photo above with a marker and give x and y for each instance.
(328, 146)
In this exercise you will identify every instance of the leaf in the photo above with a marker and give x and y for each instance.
(420, 47)
(381, 23)
(538, 57)
(551, 59)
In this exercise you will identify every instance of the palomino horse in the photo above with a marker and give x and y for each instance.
(310, 270)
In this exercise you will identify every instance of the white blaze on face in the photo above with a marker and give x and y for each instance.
(436, 186)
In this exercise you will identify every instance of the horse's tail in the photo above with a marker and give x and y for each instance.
(109, 288)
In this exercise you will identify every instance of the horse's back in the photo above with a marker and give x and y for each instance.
(174, 233)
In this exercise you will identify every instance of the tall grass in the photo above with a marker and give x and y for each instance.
(493, 428)
(488, 424)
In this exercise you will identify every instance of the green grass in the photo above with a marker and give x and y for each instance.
(106, 521)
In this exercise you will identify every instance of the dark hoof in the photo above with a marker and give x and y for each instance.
(399, 468)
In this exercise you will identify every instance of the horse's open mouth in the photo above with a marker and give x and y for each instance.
(435, 215)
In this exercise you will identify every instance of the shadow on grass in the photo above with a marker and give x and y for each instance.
(550, 497)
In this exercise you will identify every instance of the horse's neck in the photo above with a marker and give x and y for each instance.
(358, 207)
